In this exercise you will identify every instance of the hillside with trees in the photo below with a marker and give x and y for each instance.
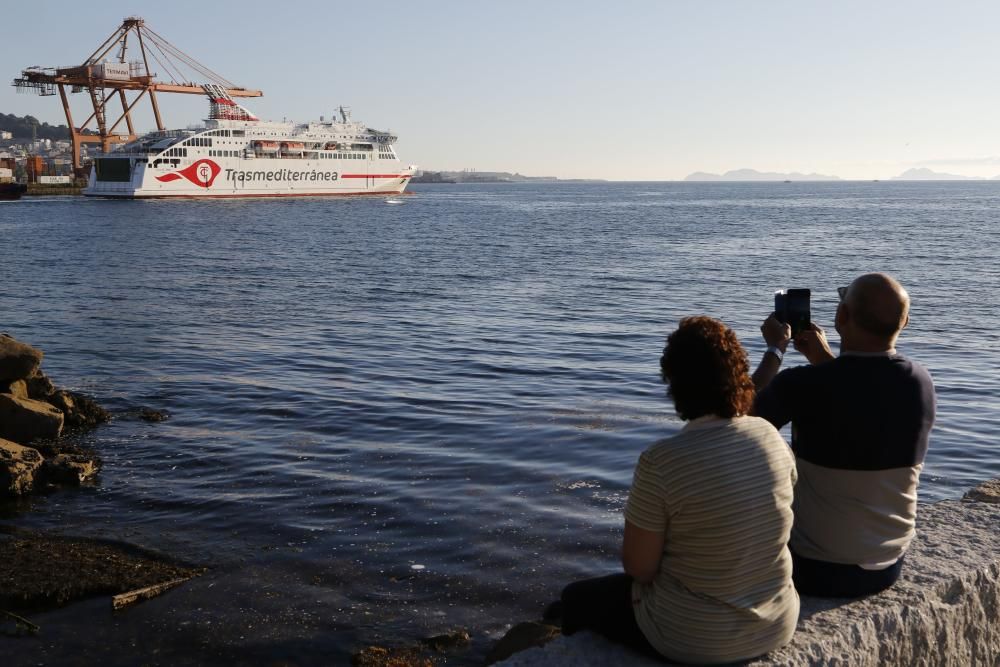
(21, 126)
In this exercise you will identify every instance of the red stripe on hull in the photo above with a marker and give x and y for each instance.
(374, 175)
(292, 194)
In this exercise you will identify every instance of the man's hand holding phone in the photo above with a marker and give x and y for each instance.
(776, 333)
(811, 344)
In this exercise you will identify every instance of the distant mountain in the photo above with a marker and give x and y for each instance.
(925, 174)
(754, 175)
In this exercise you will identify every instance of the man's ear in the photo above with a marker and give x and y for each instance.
(842, 315)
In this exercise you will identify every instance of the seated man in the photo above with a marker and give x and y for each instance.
(860, 425)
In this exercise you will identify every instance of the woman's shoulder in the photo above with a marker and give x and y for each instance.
(722, 434)
(714, 432)
(755, 425)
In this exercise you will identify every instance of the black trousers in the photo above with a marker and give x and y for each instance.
(604, 605)
(835, 580)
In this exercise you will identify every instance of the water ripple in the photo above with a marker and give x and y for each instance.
(462, 382)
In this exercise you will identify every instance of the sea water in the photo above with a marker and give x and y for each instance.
(393, 418)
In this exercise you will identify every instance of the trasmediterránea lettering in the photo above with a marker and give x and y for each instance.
(242, 176)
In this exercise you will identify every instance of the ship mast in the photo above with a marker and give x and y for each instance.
(106, 78)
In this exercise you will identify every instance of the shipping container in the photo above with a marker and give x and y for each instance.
(55, 180)
(35, 166)
(115, 71)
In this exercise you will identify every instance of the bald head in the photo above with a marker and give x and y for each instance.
(878, 305)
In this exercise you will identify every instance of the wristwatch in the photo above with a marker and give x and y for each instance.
(776, 351)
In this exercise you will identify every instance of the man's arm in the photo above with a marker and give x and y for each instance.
(776, 335)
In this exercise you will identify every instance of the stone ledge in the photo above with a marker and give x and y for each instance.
(944, 610)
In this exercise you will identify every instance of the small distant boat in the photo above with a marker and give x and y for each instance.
(9, 191)
(787, 181)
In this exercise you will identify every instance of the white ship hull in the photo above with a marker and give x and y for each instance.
(237, 155)
(257, 177)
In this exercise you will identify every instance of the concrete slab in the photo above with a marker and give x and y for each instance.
(944, 610)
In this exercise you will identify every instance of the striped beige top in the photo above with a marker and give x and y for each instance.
(721, 491)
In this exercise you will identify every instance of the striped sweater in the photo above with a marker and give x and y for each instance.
(721, 491)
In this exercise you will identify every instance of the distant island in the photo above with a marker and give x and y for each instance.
(469, 176)
(925, 174)
(914, 174)
(754, 175)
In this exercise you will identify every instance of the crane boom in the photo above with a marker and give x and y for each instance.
(105, 80)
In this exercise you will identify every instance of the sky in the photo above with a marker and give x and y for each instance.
(630, 90)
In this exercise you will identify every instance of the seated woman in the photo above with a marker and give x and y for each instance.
(708, 575)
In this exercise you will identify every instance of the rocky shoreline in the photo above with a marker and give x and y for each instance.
(34, 415)
(42, 570)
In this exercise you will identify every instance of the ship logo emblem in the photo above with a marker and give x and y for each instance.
(202, 173)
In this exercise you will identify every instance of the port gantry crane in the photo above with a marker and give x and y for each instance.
(107, 78)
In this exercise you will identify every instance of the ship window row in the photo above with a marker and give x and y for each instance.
(223, 153)
(198, 141)
(176, 152)
(339, 156)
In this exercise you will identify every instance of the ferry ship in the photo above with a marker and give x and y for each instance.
(236, 154)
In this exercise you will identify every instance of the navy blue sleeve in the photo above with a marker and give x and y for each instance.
(775, 402)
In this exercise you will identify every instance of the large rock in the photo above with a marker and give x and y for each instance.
(987, 492)
(24, 419)
(944, 610)
(79, 410)
(18, 465)
(68, 469)
(16, 388)
(17, 360)
(39, 386)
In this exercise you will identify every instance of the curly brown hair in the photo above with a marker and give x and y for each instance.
(706, 370)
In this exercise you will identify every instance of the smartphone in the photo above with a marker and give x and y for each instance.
(791, 307)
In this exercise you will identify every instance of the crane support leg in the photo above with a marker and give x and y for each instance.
(156, 110)
(127, 114)
(126, 109)
(74, 135)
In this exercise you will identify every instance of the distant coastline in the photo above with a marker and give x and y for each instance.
(752, 175)
(469, 176)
